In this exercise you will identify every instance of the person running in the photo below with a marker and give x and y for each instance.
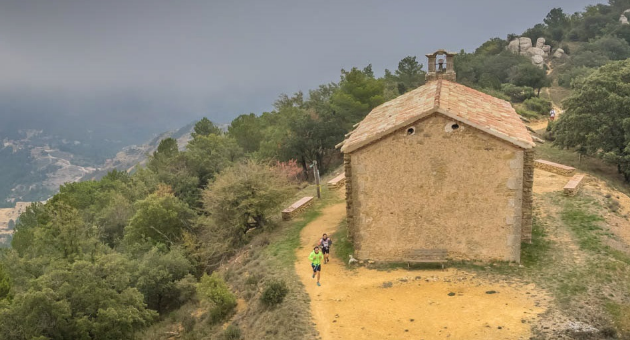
(316, 258)
(552, 115)
(325, 242)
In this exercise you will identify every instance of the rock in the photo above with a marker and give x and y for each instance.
(514, 46)
(524, 44)
(530, 129)
(623, 20)
(523, 119)
(540, 42)
(451, 294)
(388, 284)
(370, 262)
(546, 49)
(491, 292)
(535, 51)
(538, 61)
(538, 140)
(559, 53)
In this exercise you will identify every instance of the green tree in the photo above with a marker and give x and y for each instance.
(248, 131)
(207, 155)
(359, 92)
(5, 284)
(158, 277)
(160, 218)
(243, 197)
(409, 74)
(529, 75)
(205, 127)
(492, 47)
(597, 116)
(556, 19)
(213, 290)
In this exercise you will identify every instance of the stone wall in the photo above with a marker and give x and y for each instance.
(430, 186)
(555, 168)
(347, 167)
(528, 184)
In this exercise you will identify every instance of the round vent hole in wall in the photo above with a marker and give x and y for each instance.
(455, 126)
(411, 131)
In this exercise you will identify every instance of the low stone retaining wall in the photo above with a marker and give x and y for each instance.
(297, 208)
(337, 182)
(574, 185)
(556, 168)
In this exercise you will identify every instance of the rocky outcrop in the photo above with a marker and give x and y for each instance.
(523, 46)
(623, 19)
(538, 60)
(559, 53)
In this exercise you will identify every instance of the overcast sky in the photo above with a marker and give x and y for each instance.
(180, 60)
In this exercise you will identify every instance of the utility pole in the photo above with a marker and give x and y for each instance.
(316, 174)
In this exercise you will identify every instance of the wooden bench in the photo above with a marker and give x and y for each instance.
(555, 168)
(574, 184)
(425, 256)
(337, 182)
(297, 208)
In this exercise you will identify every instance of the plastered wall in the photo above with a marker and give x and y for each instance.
(436, 187)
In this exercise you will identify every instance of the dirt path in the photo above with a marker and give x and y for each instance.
(417, 304)
(542, 124)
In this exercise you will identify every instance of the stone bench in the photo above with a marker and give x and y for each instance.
(574, 184)
(296, 208)
(425, 256)
(556, 168)
(337, 182)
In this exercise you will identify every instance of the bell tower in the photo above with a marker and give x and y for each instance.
(440, 68)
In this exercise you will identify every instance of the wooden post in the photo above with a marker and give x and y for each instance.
(316, 175)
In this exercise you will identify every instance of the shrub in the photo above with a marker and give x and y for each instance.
(274, 293)
(539, 105)
(215, 291)
(232, 332)
(517, 94)
(188, 323)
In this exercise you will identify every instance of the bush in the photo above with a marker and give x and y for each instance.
(232, 332)
(495, 93)
(274, 293)
(539, 105)
(565, 79)
(214, 290)
(517, 94)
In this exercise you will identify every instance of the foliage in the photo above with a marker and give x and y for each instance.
(529, 75)
(243, 197)
(232, 332)
(539, 105)
(274, 293)
(160, 218)
(567, 78)
(597, 116)
(408, 76)
(517, 94)
(162, 278)
(213, 289)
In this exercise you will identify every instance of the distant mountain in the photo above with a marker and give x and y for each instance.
(34, 163)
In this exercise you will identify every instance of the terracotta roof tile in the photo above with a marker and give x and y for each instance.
(482, 111)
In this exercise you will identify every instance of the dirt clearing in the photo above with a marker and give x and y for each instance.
(416, 304)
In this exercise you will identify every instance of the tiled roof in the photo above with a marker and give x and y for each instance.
(489, 114)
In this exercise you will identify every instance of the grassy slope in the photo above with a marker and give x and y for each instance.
(270, 256)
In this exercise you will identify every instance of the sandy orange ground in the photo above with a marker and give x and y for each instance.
(354, 304)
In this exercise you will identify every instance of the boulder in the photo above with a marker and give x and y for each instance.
(524, 44)
(534, 51)
(559, 53)
(538, 61)
(513, 46)
(623, 20)
(540, 42)
(546, 49)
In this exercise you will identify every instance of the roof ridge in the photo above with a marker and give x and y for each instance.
(438, 91)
